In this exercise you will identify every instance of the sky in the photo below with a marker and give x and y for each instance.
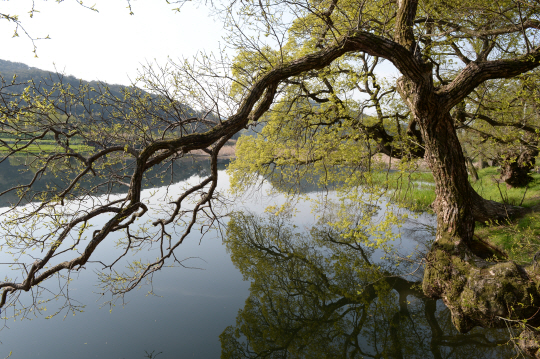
(109, 45)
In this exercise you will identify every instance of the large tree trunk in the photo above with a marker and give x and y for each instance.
(477, 292)
(453, 204)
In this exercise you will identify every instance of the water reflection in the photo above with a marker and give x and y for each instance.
(316, 295)
(312, 295)
(185, 319)
(17, 172)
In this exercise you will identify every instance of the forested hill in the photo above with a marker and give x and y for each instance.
(26, 73)
(45, 80)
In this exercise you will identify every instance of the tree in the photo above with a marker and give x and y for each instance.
(443, 52)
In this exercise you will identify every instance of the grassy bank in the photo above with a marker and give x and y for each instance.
(519, 237)
(415, 190)
(488, 187)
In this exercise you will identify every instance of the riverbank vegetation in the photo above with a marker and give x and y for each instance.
(415, 190)
(518, 237)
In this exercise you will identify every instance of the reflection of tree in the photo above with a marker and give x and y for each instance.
(316, 295)
(17, 171)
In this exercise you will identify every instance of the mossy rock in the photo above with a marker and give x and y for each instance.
(479, 294)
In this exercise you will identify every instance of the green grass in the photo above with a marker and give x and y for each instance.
(415, 190)
(519, 238)
(489, 188)
(46, 146)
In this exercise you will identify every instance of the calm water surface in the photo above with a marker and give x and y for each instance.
(272, 289)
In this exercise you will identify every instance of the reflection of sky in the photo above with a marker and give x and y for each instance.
(415, 231)
(195, 307)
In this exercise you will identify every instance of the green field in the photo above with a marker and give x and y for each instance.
(43, 146)
(415, 190)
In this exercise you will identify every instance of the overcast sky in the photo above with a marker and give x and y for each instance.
(109, 45)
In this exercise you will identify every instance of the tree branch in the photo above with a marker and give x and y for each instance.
(476, 73)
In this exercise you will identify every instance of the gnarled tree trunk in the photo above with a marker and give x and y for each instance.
(488, 211)
(477, 292)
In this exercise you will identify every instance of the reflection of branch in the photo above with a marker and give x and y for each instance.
(358, 247)
(303, 296)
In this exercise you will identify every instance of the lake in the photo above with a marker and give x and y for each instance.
(274, 287)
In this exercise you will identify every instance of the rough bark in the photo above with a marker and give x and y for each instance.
(528, 343)
(477, 291)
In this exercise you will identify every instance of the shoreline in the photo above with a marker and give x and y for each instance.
(227, 152)
(393, 163)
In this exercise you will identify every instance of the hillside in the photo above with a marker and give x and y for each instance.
(26, 73)
(46, 79)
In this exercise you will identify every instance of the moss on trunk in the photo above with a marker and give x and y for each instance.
(483, 293)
